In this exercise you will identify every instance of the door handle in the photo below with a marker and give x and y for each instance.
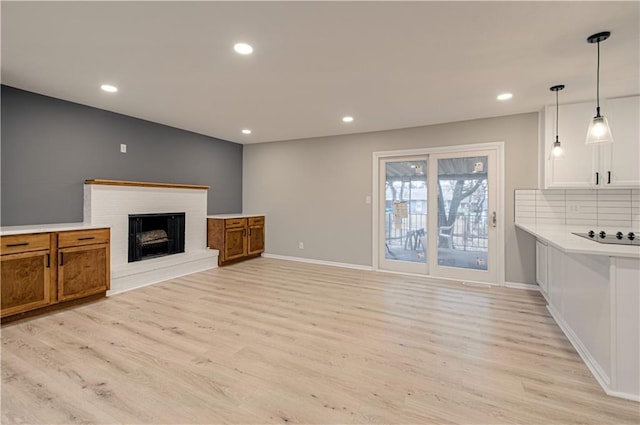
(494, 219)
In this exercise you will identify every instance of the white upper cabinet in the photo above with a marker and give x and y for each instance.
(622, 158)
(596, 166)
(576, 169)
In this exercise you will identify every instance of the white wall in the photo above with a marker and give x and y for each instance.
(314, 190)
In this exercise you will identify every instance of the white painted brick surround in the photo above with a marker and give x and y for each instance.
(110, 205)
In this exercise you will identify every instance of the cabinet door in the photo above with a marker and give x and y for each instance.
(541, 266)
(577, 169)
(619, 163)
(256, 239)
(235, 243)
(25, 281)
(83, 271)
(555, 277)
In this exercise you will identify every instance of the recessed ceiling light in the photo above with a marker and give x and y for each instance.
(109, 88)
(243, 48)
(504, 96)
(347, 119)
(246, 131)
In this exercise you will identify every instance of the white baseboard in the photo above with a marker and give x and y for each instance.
(526, 286)
(133, 276)
(320, 262)
(514, 285)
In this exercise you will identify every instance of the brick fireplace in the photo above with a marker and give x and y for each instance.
(111, 202)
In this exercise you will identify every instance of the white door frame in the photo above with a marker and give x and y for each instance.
(497, 146)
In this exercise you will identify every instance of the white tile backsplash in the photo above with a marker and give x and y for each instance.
(616, 208)
(635, 209)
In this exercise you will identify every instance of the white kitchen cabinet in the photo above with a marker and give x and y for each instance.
(555, 277)
(621, 157)
(541, 267)
(576, 169)
(596, 166)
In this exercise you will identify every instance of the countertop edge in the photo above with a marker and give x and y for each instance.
(239, 215)
(561, 238)
(46, 228)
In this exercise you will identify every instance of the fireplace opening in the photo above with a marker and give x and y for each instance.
(155, 235)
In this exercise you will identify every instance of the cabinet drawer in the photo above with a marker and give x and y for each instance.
(15, 244)
(83, 237)
(235, 222)
(256, 221)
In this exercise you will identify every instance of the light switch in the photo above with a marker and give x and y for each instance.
(123, 148)
(367, 199)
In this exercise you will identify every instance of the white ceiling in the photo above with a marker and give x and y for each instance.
(389, 64)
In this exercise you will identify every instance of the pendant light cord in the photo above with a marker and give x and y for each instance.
(557, 115)
(598, 84)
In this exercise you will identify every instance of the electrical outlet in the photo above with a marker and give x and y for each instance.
(123, 148)
(301, 245)
(574, 208)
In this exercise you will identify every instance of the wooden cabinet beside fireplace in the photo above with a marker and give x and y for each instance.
(47, 270)
(235, 237)
(25, 272)
(83, 263)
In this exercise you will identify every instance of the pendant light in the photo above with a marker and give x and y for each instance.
(599, 131)
(557, 151)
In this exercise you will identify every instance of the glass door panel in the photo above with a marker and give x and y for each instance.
(403, 226)
(465, 183)
(462, 212)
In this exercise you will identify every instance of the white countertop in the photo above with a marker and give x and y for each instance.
(239, 215)
(562, 238)
(44, 228)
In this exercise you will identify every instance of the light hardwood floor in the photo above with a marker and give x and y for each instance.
(271, 341)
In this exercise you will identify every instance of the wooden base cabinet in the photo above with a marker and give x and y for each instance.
(83, 263)
(256, 235)
(25, 271)
(31, 281)
(236, 238)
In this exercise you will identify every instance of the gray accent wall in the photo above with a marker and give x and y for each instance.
(50, 147)
(314, 190)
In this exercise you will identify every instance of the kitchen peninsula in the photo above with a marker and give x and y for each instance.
(593, 293)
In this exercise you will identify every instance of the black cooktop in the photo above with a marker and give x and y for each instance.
(616, 238)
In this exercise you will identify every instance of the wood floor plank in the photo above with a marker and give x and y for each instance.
(272, 341)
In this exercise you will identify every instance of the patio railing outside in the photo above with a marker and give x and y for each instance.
(469, 230)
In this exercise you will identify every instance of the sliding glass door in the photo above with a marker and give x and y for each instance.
(437, 214)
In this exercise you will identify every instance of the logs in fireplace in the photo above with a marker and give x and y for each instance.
(155, 235)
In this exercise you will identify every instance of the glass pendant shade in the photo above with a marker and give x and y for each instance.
(599, 131)
(557, 152)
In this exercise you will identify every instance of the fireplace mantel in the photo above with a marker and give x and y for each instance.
(145, 184)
